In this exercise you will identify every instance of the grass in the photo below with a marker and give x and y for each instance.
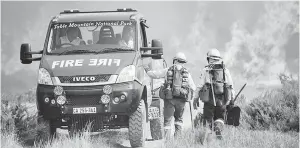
(9, 140)
(233, 138)
(269, 121)
(236, 138)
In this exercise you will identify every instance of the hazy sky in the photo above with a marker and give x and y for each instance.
(257, 39)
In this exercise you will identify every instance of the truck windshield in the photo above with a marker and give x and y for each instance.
(92, 37)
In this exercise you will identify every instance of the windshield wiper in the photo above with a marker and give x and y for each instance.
(105, 50)
(77, 51)
(116, 49)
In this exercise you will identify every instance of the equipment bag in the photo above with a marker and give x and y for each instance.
(233, 116)
(204, 93)
(161, 93)
(165, 92)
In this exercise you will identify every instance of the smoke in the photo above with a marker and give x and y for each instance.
(32, 32)
(251, 43)
(199, 40)
(254, 54)
(259, 55)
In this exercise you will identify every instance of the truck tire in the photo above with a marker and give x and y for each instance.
(48, 131)
(157, 125)
(137, 126)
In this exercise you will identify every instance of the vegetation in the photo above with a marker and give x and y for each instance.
(270, 120)
(276, 109)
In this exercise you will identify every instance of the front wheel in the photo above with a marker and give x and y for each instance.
(137, 126)
(48, 130)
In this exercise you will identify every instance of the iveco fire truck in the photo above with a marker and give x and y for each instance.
(92, 72)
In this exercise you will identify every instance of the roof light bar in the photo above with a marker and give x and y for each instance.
(126, 10)
(71, 11)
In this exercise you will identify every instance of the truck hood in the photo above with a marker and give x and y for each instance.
(86, 64)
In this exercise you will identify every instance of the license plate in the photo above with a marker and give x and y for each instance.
(84, 110)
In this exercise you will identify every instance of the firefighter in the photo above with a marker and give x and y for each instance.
(178, 85)
(212, 92)
(127, 37)
(72, 37)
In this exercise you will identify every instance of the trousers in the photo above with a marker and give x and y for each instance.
(173, 108)
(212, 113)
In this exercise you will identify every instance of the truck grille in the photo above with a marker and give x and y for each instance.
(83, 100)
(72, 79)
(98, 122)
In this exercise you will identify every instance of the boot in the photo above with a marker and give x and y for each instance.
(219, 126)
(178, 130)
(168, 134)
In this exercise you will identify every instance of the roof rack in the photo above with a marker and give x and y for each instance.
(77, 11)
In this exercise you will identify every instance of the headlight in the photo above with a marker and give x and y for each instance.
(126, 74)
(58, 90)
(123, 97)
(105, 99)
(61, 100)
(44, 77)
(52, 101)
(116, 100)
(47, 100)
(107, 89)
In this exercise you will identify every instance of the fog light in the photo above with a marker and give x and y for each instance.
(123, 97)
(58, 90)
(61, 100)
(105, 99)
(116, 100)
(47, 100)
(107, 89)
(53, 101)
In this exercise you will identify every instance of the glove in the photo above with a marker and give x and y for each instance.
(230, 106)
(147, 68)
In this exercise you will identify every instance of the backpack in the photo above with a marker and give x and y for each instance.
(218, 78)
(221, 90)
(177, 80)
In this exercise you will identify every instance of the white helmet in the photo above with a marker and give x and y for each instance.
(214, 54)
(180, 56)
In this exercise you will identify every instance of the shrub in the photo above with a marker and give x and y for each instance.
(19, 119)
(275, 109)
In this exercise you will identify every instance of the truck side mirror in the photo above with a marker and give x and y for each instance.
(26, 54)
(156, 50)
(159, 51)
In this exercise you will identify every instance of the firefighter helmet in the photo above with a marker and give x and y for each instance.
(180, 57)
(214, 54)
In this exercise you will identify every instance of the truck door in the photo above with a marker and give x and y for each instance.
(145, 60)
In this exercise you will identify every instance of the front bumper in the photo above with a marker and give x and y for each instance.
(88, 96)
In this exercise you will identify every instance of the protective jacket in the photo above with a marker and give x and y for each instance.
(65, 39)
(177, 79)
(213, 73)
